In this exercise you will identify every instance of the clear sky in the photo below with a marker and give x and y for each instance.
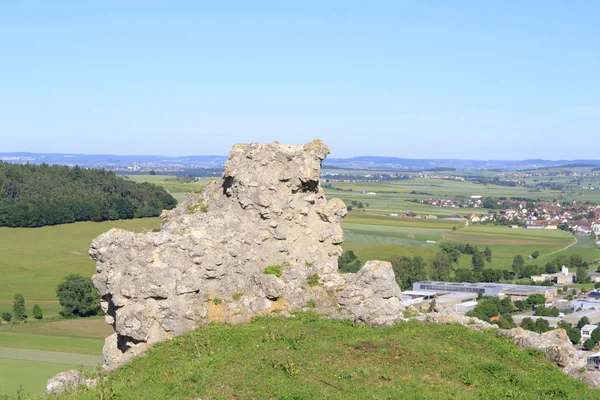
(419, 79)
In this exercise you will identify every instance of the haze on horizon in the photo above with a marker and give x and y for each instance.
(461, 80)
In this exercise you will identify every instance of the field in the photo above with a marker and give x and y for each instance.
(373, 234)
(176, 188)
(306, 357)
(32, 353)
(35, 260)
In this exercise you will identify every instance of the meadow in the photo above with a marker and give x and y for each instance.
(33, 352)
(35, 260)
(176, 188)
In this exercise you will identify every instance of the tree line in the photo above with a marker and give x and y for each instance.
(39, 195)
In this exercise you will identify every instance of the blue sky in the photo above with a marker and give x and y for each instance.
(432, 79)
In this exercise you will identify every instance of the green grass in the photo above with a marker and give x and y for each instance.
(35, 260)
(306, 357)
(30, 376)
(82, 336)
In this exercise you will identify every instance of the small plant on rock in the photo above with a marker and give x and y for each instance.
(237, 296)
(314, 280)
(274, 270)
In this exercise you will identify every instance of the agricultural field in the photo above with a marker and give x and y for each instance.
(35, 260)
(176, 188)
(373, 234)
(33, 352)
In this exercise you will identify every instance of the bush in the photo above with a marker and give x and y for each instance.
(6, 316)
(78, 297)
(273, 270)
(37, 312)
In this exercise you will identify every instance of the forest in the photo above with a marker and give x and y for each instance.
(39, 195)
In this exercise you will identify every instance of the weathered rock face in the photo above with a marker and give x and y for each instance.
(555, 344)
(208, 261)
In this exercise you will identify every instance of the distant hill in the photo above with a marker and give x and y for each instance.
(39, 195)
(395, 163)
(215, 161)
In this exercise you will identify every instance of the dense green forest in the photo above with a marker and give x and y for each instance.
(39, 195)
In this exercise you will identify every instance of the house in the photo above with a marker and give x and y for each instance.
(592, 315)
(594, 276)
(564, 277)
(593, 361)
(596, 226)
(586, 332)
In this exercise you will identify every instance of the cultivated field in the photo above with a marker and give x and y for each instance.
(176, 188)
(33, 352)
(35, 260)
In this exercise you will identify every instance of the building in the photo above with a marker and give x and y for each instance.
(592, 315)
(586, 332)
(586, 304)
(564, 277)
(593, 361)
(516, 292)
(455, 301)
(594, 276)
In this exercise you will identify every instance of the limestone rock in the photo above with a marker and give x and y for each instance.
(208, 261)
(68, 381)
(555, 344)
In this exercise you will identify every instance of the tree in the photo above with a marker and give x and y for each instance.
(574, 335)
(408, 270)
(528, 324)
(78, 297)
(582, 276)
(6, 316)
(518, 265)
(542, 325)
(595, 336)
(441, 267)
(152, 172)
(535, 254)
(348, 262)
(478, 261)
(487, 252)
(19, 307)
(37, 312)
(583, 322)
(589, 344)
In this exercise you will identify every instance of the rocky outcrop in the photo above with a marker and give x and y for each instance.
(261, 239)
(555, 344)
(68, 381)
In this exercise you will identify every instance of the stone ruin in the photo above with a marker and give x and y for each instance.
(207, 263)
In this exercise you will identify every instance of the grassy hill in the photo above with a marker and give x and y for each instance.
(306, 357)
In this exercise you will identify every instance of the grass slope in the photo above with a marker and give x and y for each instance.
(306, 357)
